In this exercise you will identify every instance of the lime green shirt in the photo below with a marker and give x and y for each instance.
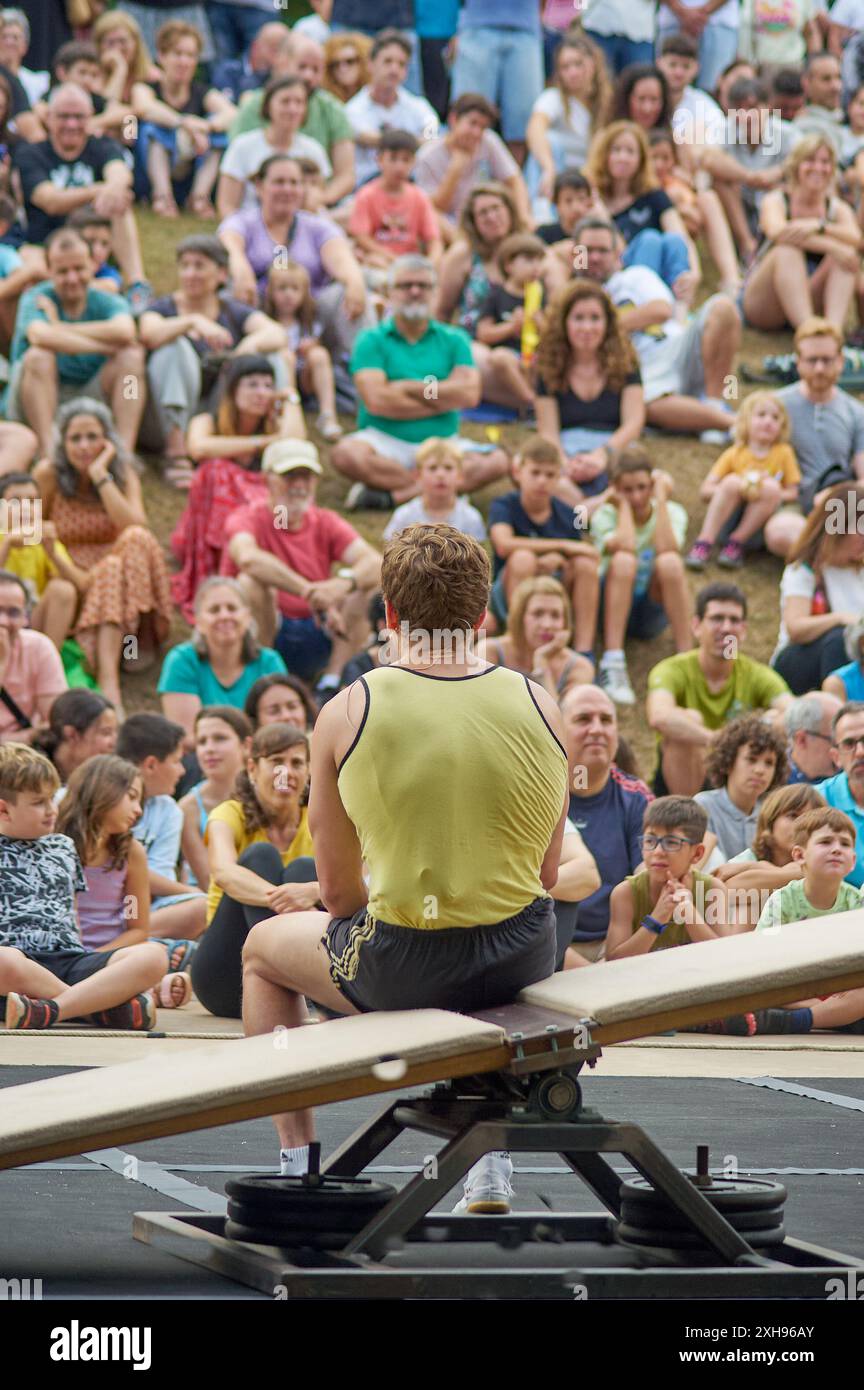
(455, 788)
(791, 904)
(604, 523)
(325, 121)
(751, 685)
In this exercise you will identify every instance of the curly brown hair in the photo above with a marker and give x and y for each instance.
(554, 355)
(273, 738)
(748, 731)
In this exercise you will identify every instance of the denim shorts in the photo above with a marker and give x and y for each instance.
(304, 647)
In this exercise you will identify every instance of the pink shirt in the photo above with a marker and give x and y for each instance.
(400, 222)
(312, 551)
(34, 678)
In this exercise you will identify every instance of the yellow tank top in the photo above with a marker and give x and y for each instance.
(454, 788)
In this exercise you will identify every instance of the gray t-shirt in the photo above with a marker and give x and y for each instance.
(463, 516)
(777, 141)
(825, 438)
(733, 828)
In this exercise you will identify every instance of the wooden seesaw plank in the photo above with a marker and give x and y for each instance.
(221, 1083)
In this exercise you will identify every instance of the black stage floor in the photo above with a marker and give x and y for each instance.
(69, 1222)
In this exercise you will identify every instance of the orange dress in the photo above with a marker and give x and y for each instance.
(129, 576)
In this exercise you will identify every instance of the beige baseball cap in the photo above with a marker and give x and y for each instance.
(284, 455)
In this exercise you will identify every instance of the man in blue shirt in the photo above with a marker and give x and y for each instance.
(413, 376)
(845, 791)
(71, 340)
(606, 806)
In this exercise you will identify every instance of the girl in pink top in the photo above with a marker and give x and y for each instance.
(101, 805)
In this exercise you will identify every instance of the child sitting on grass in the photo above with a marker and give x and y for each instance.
(96, 231)
(101, 805)
(47, 973)
(640, 533)
(533, 532)
(755, 873)
(824, 845)
(510, 319)
(288, 300)
(747, 760)
(391, 216)
(439, 469)
(748, 482)
(155, 746)
(23, 552)
(669, 902)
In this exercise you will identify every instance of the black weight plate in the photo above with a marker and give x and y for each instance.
(661, 1209)
(726, 1194)
(282, 1195)
(740, 1220)
(689, 1240)
(257, 1235)
(300, 1221)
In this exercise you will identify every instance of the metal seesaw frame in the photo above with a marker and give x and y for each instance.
(534, 1105)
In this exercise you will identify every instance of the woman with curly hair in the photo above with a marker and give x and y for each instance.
(589, 390)
(566, 115)
(620, 170)
(746, 760)
(93, 500)
(260, 856)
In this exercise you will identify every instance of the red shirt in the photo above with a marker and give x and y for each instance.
(322, 539)
(398, 222)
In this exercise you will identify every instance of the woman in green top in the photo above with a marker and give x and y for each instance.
(222, 661)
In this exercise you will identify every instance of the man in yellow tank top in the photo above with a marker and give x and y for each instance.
(447, 777)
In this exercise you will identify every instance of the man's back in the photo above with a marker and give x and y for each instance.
(455, 787)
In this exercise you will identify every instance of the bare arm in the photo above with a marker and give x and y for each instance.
(669, 720)
(182, 708)
(338, 857)
(621, 939)
(632, 417)
(202, 443)
(261, 565)
(452, 275)
(505, 541)
(344, 174)
(364, 561)
(85, 336)
(578, 876)
(803, 626)
(192, 844)
(229, 195)
(646, 316)
(240, 883)
(262, 335)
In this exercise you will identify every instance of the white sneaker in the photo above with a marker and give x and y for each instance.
(328, 426)
(616, 682)
(717, 437)
(487, 1187)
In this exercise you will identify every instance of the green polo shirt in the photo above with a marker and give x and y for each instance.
(431, 358)
(326, 121)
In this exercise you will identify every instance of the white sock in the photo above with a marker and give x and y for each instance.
(328, 681)
(293, 1163)
(614, 657)
(720, 404)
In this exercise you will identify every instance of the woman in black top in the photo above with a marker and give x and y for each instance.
(589, 391)
(619, 167)
(183, 125)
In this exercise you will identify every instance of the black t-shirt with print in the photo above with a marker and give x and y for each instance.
(41, 163)
(644, 212)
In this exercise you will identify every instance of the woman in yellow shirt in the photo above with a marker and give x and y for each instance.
(260, 854)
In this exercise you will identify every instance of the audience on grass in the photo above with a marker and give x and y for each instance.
(578, 231)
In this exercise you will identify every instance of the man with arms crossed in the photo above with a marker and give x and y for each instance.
(447, 777)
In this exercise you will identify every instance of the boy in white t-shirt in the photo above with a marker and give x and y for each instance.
(439, 468)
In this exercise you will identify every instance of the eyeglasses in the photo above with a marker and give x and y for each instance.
(669, 843)
(848, 745)
(14, 615)
(826, 738)
(424, 285)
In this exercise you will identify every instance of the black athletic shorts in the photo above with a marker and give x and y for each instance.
(379, 966)
(71, 966)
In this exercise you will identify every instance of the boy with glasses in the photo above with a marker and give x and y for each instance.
(669, 902)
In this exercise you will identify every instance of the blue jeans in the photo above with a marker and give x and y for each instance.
(621, 52)
(663, 252)
(234, 27)
(148, 133)
(506, 66)
(717, 48)
(414, 80)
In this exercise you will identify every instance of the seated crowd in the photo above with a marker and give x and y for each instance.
(396, 253)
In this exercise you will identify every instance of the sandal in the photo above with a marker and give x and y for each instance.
(164, 206)
(179, 472)
(173, 991)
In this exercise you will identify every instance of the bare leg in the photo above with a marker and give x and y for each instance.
(182, 921)
(124, 381)
(319, 370)
(283, 961)
(521, 564)
(159, 172)
(838, 1010)
(582, 579)
(721, 339)
(54, 614)
(669, 587)
(480, 469)
(510, 378)
(778, 293)
(757, 513)
(729, 197)
(39, 394)
(718, 238)
(782, 532)
(130, 971)
(618, 599)
(127, 247)
(109, 644)
(683, 767)
(686, 415)
(837, 293)
(721, 506)
(262, 601)
(205, 178)
(18, 446)
(359, 460)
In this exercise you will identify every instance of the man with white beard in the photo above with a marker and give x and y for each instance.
(413, 376)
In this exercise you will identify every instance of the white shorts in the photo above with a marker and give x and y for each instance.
(402, 451)
(676, 368)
